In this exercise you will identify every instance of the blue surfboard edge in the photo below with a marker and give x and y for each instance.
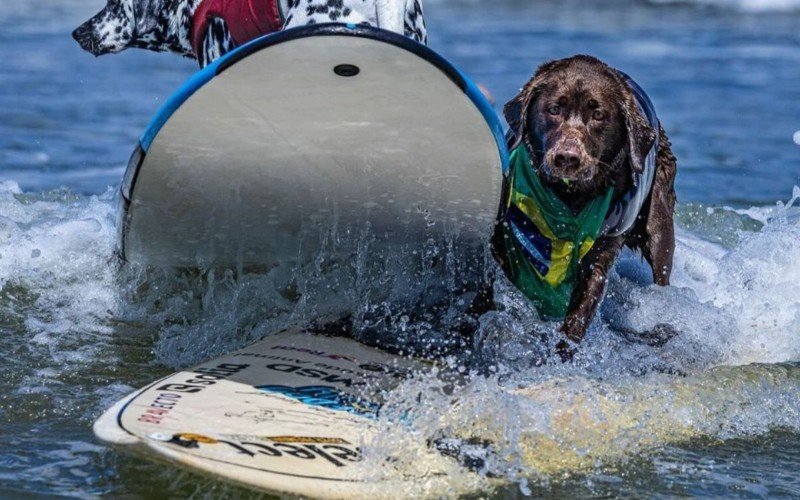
(202, 77)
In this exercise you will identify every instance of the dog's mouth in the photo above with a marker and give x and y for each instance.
(583, 175)
(583, 172)
(571, 181)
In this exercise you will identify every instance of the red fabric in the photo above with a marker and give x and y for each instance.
(246, 19)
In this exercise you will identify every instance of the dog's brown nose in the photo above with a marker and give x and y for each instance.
(567, 160)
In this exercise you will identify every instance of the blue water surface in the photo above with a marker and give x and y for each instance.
(724, 76)
(725, 83)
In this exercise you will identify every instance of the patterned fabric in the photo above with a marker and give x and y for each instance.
(544, 240)
(246, 19)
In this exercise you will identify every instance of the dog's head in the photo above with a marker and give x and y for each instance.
(121, 24)
(580, 120)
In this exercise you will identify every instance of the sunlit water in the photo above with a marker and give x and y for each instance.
(714, 411)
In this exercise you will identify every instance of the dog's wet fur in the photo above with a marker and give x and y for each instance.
(584, 131)
(166, 25)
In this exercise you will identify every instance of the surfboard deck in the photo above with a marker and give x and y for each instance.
(286, 415)
(352, 127)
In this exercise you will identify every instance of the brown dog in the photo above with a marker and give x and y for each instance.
(589, 137)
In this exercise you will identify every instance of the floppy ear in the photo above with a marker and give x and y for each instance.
(516, 112)
(517, 109)
(145, 13)
(641, 135)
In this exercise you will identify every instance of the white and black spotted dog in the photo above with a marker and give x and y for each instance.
(207, 29)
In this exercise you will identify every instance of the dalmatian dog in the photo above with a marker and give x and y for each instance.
(206, 30)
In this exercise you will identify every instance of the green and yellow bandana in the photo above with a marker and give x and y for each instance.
(544, 241)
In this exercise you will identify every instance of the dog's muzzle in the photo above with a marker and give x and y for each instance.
(84, 35)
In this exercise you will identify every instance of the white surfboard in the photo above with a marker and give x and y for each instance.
(286, 415)
(359, 164)
(259, 155)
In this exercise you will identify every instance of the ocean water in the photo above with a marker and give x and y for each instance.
(714, 412)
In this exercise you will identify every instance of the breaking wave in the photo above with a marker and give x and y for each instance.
(506, 408)
(731, 372)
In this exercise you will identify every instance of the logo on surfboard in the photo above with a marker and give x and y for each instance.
(323, 396)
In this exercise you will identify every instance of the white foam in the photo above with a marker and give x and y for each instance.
(737, 313)
(544, 428)
(55, 265)
(732, 304)
(757, 284)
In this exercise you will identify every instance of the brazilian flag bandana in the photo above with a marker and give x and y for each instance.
(543, 239)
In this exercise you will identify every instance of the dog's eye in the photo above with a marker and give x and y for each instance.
(554, 109)
(598, 115)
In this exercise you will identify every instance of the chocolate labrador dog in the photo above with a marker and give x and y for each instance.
(591, 171)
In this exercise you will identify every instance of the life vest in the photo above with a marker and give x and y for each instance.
(246, 19)
(623, 213)
(541, 240)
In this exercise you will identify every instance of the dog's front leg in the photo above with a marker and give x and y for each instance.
(588, 292)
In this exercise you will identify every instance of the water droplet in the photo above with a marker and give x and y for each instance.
(796, 137)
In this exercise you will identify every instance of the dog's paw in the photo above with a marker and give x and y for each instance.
(565, 351)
